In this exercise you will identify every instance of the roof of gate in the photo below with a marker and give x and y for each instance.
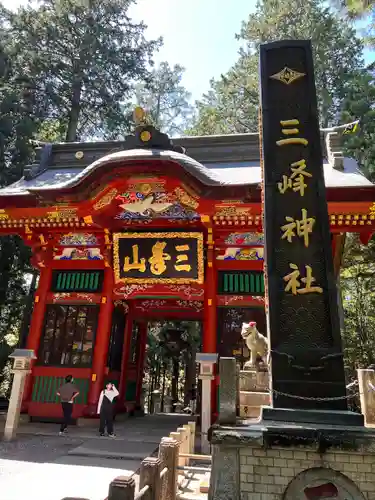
(226, 160)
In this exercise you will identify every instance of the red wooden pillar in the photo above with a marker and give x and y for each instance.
(37, 323)
(210, 315)
(102, 338)
(125, 355)
(143, 328)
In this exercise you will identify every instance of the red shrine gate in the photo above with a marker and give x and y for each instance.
(84, 297)
(132, 231)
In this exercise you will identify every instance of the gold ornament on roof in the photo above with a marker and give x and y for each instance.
(287, 75)
(139, 115)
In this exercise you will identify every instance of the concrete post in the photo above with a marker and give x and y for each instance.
(366, 379)
(206, 375)
(192, 426)
(206, 413)
(168, 455)
(121, 488)
(188, 444)
(183, 447)
(150, 475)
(178, 437)
(228, 391)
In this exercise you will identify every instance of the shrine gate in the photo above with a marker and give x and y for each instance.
(149, 228)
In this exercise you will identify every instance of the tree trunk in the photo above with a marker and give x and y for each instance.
(75, 108)
(163, 388)
(176, 367)
(27, 312)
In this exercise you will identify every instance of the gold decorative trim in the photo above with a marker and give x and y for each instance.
(184, 198)
(287, 75)
(232, 211)
(106, 199)
(169, 235)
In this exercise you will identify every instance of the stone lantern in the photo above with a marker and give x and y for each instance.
(21, 368)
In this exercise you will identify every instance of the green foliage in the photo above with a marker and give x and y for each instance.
(358, 293)
(86, 58)
(232, 103)
(166, 99)
(360, 104)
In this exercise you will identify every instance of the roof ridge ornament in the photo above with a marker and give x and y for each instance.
(146, 136)
(334, 142)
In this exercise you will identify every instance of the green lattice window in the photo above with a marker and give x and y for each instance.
(241, 282)
(77, 281)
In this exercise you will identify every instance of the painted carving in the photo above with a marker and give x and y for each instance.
(245, 239)
(150, 202)
(231, 211)
(106, 199)
(255, 253)
(79, 254)
(62, 297)
(256, 343)
(191, 304)
(189, 291)
(62, 213)
(134, 289)
(146, 305)
(227, 300)
(78, 239)
(186, 199)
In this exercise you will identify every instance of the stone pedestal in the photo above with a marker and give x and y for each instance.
(265, 462)
(366, 382)
(254, 392)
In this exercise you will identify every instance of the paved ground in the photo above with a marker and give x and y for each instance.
(40, 465)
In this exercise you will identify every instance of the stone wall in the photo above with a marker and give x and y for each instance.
(266, 473)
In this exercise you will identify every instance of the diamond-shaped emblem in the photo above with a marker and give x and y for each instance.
(287, 75)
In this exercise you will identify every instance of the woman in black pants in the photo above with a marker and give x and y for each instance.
(105, 409)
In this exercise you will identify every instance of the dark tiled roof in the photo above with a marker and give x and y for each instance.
(228, 160)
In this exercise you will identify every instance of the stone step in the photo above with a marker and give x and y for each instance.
(249, 398)
(253, 381)
(249, 411)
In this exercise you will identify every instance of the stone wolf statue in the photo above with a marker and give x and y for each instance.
(255, 341)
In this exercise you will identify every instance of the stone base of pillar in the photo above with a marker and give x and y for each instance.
(285, 462)
(90, 411)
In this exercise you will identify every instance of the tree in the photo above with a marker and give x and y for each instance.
(358, 292)
(86, 57)
(232, 103)
(166, 99)
(360, 105)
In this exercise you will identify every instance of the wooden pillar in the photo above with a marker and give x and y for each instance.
(125, 355)
(102, 338)
(210, 312)
(37, 323)
(143, 328)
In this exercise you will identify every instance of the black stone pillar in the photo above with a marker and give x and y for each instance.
(303, 321)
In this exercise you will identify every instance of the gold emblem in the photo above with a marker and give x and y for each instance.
(145, 136)
(287, 76)
(79, 155)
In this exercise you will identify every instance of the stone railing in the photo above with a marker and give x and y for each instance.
(159, 475)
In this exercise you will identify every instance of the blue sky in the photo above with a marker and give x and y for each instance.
(199, 34)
